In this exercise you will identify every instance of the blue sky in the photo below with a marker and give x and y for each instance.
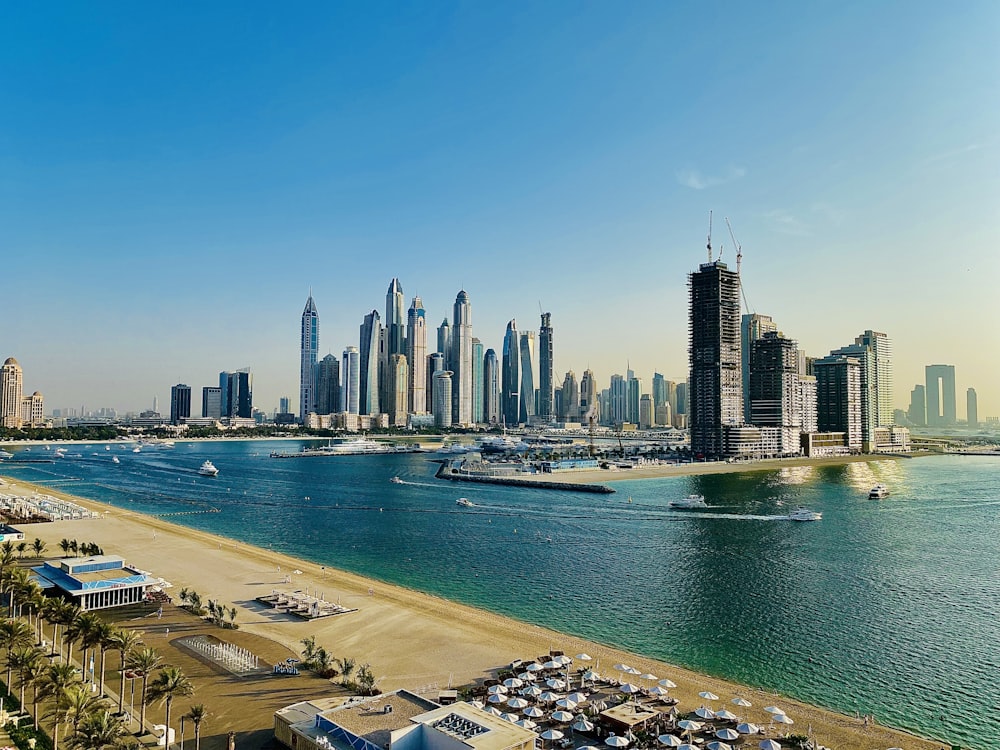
(174, 179)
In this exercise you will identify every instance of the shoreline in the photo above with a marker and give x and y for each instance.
(411, 638)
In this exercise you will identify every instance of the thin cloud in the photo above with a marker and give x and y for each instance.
(786, 223)
(695, 180)
(949, 155)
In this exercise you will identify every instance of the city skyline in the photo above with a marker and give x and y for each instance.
(560, 155)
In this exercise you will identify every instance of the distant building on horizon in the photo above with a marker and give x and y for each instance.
(237, 393)
(491, 387)
(510, 376)
(180, 403)
(461, 361)
(328, 396)
(940, 395)
(11, 387)
(971, 408)
(545, 376)
(917, 413)
(211, 402)
(416, 356)
(838, 398)
(526, 356)
(309, 351)
(350, 381)
(368, 364)
(442, 398)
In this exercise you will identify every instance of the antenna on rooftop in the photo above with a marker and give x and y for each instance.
(709, 245)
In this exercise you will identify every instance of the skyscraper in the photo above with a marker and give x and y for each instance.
(971, 408)
(617, 401)
(442, 398)
(774, 396)
(435, 364)
(879, 393)
(570, 411)
(510, 376)
(211, 402)
(395, 330)
(11, 385)
(545, 383)
(399, 373)
(328, 385)
(33, 410)
(307, 360)
(350, 389)
(461, 361)
(940, 395)
(180, 403)
(716, 381)
(477, 381)
(416, 356)
(491, 387)
(444, 341)
(838, 397)
(659, 391)
(633, 398)
(236, 390)
(752, 327)
(589, 406)
(917, 413)
(527, 356)
(368, 361)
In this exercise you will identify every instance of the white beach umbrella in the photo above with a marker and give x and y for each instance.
(633, 670)
(769, 745)
(566, 703)
(688, 747)
(716, 745)
(532, 691)
(782, 719)
(622, 667)
(629, 689)
(496, 690)
(742, 702)
(564, 660)
(590, 674)
(616, 740)
(563, 717)
(513, 682)
(577, 697)
(534, 667)
(517, 703)
(555, 683)
(667, 683)
(747, 728)
(496, 698)
(647, 676)
(704, 712)
(584, 657)
(534, 712)
(599, 706)
(494, 710)
(588, 747)
(551, 734)
(689, 725)
(726, 715)
(509, 717)
(526, 724)
(548, 697)
(708, 695)
(582, 725)
(728, 734)
(552, 664)
(527, 676)
(657, 690)
(476, 704)
(774, 710)
(669, 740)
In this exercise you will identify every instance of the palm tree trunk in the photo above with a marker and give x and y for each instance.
(142, 707)
(55, 733)
(103, 652)
(197, 736)
(34, 706)
(166, 719)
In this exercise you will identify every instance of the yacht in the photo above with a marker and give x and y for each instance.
(804, 514)
(352, 447)
(688, 503)
(464, 502)
(5, 454)
(114, 460)
(878, 492)
(454, 449)
(498, 444)
(208, 469)
(137, 449)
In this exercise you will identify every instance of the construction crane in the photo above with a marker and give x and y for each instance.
(739, 260)
(709, 245)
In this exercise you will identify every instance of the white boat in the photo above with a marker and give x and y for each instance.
(878, 492)
(454, 449)
(464, 502)
(208, 469)
(498, 444)
(396, 480)
(137, 449)
(5, 454)
(688, 503)
(114, 460)
(107, 447)
(804, 514)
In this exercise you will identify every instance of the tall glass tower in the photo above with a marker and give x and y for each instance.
(461, 360)
(350, 389)
(307, 363)
(477, 381)
(491, 387)
(545, 384)
(527, 377)
(510, 377)
(416, 355)
(368, 361)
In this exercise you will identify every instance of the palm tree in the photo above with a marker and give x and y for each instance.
(170, 683)
(57, 680)
(79, 702)
(83, 631)
(14, 634)
(18, 580)
(102, 633)
(125, 641)
(33, 600)
(22, 660)
(21, 548)
(71, 628)
(64, 546)
(100, 730)
(74, 547)
(308, 648)
(183, 595)
(197, 714)
(6, 558)
(346, 666)
(38, 546)
(143, 661)
(34, 675)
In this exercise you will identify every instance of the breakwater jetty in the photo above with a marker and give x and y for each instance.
(447, 471)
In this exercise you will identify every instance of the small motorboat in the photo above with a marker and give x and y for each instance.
(114, 460)
(464, 502)
(688, 503)
(804, 514)
(396, 480)
(878, 492)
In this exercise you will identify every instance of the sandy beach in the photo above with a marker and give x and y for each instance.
(411, 639)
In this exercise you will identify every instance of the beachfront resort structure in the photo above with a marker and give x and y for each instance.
(96, 582)
(16, 409)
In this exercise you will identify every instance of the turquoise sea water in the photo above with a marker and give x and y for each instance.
(888, 607)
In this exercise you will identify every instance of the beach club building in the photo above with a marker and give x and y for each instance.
(96, 582)
(396, 721)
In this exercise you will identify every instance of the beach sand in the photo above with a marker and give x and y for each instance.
(412, 640)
